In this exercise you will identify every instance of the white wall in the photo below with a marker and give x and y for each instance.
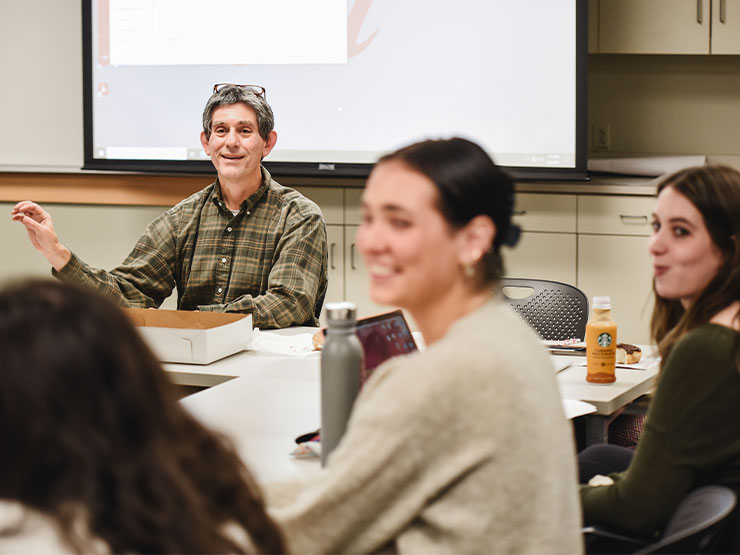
(102, 236)
(41, 92)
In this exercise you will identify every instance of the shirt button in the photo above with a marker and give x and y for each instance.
(223, 260)
(219, 289)
(249, 213)
(228, 229)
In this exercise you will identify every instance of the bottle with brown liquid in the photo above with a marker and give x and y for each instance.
(601, 343)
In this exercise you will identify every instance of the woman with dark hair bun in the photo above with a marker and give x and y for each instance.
(461, 448)
(692, 429)
(97, 454)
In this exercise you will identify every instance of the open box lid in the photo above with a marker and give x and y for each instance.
(192, 337)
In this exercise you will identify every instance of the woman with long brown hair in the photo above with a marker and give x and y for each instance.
(97, 453)
(692, 430)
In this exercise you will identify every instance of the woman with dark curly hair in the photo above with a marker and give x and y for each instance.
(97, 454)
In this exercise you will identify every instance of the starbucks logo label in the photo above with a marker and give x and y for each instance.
(605, 339)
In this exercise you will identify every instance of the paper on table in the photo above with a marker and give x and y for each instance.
(558, 364)
(298, 345)
(574, 408)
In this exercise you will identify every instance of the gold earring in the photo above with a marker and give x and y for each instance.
(469, 266)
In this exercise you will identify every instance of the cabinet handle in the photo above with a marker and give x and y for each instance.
(331, 256)
(518, 212)
(699, 11)
(352, 256)
(722, 12)
(633, 220)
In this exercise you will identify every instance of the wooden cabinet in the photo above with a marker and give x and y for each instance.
(335, 288)
(665, 26)
(597, 242)
(726, 27)
(356, 281)
(331, 202)
(547, 248)
(613, 259)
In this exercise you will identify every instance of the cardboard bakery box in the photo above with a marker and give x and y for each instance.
(192, 337)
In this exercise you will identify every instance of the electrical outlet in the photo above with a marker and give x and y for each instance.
(601, 136)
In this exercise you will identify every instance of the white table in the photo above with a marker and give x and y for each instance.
(606, 398)
(264, 410)
(262, 401)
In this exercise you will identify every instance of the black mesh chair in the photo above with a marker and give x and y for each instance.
(700, 524)
(557, 311)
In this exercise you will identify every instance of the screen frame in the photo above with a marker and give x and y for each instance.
(336, 170)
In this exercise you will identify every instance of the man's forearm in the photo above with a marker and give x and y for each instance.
(58, 256)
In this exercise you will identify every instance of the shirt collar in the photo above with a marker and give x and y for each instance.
(250, 202)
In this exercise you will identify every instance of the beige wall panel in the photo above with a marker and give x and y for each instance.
(543, 256)
(102, 236)
(667, 104)
(621, 268)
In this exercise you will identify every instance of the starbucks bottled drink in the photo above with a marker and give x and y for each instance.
(342, 362)
(601, 343)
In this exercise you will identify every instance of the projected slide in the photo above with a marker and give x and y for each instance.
(171, 32)
(347, 80)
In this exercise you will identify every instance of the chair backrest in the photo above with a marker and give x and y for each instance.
(557, 311)
(697, 523)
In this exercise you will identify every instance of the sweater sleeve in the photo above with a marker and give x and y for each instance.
(388, 453)
(145, 278)
(691, 434)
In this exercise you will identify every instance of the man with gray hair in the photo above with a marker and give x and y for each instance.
(243, 244)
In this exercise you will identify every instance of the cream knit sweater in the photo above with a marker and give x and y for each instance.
(462, 448)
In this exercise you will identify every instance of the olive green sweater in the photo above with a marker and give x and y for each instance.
(691, 437)
(462, 448)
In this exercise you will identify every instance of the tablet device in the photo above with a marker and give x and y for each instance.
(384, 336)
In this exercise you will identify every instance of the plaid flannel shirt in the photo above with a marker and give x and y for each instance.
(270, 259)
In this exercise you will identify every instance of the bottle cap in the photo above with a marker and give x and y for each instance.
(343, 310)
(602, 302)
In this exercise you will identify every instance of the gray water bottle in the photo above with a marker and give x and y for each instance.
(342, 363)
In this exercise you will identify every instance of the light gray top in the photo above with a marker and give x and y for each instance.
(462, 448)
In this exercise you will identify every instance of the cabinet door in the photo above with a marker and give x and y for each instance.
(542, 256)
(615, 215)
(619, 266)
(547, 248)
(654, 26)
(329, 199)
(335, 289)
(725, 26)
(356, 281)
